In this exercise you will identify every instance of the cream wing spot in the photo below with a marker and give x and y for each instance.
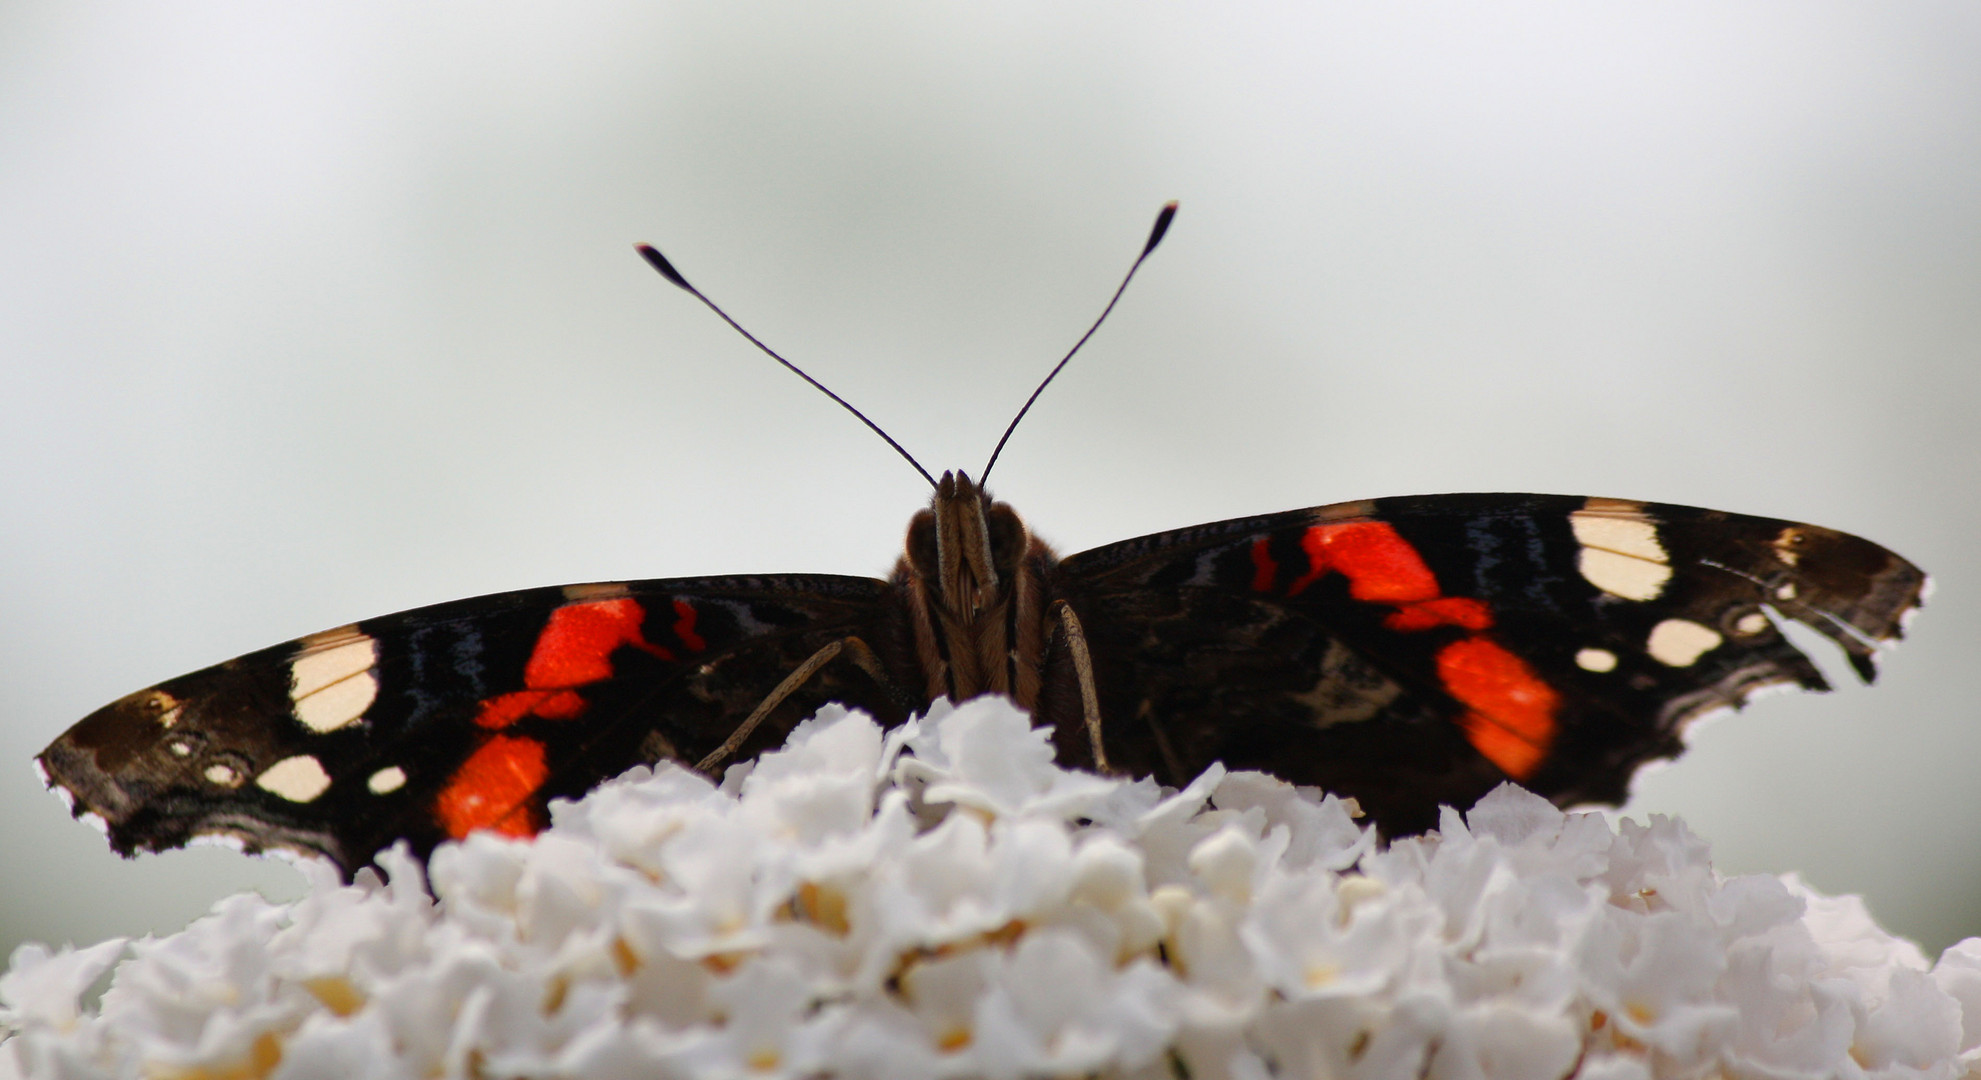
(330, 657)
(1623, 575)
(298, 779)
(222, 775)
(1617, 526)
(1681, 642)
(1597, 660)
(387, 780)
(331, 684)
(1751, 623)
(1621, 553)
(339, 704)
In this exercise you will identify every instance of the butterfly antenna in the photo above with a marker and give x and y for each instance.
(659, 262)
(1155, 237)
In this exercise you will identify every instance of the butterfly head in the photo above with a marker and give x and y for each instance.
(966, 546)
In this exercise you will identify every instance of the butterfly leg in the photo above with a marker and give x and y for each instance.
(1083, 670)
(853, 648)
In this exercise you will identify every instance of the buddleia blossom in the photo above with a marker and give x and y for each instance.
(942, 900)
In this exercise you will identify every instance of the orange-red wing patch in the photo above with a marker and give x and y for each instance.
(1510, 711)
(576, 646)
(1264, 568)
(1512, 717)
(558, 704)
(1459, 611)
(494, 789)
(1381, 566)
(504, 709)
(684, 626)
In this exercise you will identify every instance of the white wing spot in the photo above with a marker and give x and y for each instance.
(223, 775)
(180, 748)
(1623, 575)
(338, 704)
(387, 780)
(330, 687)
(1681, 642)
(1598, 660)
(298, 779)
(329, 657)
(1751, 623)
(1617, 526)
(1621, 554)
(1786, 591)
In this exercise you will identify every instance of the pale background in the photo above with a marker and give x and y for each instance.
(310, 317)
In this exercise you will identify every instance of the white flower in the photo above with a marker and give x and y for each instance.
(40, 988)
(1959, 974)
(990, 759)
(943, 901)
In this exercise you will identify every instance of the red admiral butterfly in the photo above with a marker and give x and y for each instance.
(1406, 651)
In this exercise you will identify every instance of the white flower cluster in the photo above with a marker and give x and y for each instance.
(944, 901)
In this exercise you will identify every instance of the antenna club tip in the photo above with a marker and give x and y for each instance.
(659, 262)
(1167, 215)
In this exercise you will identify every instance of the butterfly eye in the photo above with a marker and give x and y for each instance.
(921, 544)
(1007, 538)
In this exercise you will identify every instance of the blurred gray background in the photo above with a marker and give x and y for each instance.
(311, 317)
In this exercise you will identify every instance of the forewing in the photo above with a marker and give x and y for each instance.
(430, 723)
(1416, 651)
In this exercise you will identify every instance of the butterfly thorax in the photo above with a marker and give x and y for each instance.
(975, 578)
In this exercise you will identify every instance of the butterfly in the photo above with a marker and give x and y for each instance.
(1408, 652)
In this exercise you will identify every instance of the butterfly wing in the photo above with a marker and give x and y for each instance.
(430, 723)
(1417, 651)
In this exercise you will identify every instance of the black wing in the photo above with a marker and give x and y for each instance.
(1417, 651)
(429, 723)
